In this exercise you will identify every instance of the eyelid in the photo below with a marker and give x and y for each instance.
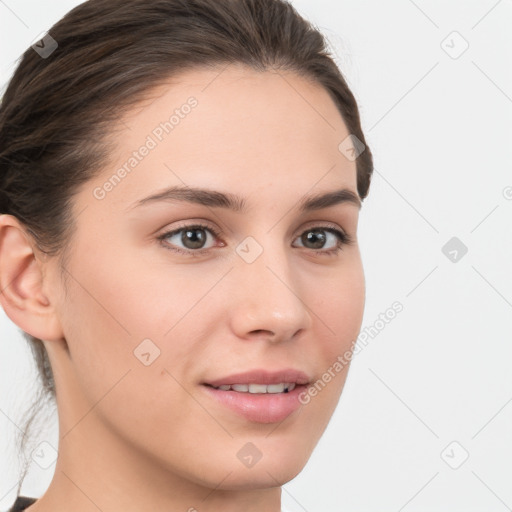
(189, 225)
(327, 225)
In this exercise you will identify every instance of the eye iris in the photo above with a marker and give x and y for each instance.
(191, 241)
(316, 236)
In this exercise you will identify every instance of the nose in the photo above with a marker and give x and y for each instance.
(266, 299)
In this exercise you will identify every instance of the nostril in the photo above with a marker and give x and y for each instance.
(263, 331)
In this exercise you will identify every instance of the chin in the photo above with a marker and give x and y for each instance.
(271, 470)
(263, 477)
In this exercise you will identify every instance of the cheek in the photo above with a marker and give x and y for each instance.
(339, 308)
(105, 318)
(122, 362)
(338, 314)
(123, 316)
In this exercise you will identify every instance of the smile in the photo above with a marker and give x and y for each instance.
(283, 387)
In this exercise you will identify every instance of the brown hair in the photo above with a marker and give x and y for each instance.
(57, 112)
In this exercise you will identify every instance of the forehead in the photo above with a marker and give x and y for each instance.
(230, 127)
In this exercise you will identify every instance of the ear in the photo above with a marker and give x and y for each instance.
(21, 283)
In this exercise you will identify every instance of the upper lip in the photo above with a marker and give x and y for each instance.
(261, 376)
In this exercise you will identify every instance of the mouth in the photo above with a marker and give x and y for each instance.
(258, 395)
(283, 387)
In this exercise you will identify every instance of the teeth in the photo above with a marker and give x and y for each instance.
(283, 387)
(275, 388)
(240, 387)
(257, 388)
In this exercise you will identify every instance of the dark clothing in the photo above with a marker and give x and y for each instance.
(21, 503)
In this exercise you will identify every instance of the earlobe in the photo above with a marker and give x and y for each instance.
(21, 283)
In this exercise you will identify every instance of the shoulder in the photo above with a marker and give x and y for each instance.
(21, 503)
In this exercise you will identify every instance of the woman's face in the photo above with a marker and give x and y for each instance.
(265, 285)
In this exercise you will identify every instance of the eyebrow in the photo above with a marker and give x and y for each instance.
(237, 204)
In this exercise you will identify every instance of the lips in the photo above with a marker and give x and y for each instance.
(259, 396)
(282, 387)
(260, 376)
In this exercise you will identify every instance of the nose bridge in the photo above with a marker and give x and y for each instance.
(268, 298)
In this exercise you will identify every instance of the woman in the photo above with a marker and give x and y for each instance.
(180, 189)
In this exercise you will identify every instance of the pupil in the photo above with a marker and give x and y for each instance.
(316, 237)
(191, 241)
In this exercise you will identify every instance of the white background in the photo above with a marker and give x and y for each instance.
(440, 131)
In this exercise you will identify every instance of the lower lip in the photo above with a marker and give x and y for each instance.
(259, 407)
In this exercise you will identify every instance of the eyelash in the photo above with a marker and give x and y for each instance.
(343, 239)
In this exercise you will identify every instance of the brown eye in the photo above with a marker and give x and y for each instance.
(317, 238)
(314, 238)
(193, 238)
(189, 239)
